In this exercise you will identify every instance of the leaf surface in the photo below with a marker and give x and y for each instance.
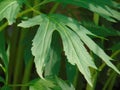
(9, 10)
(63, 85)
(41, 85)
(50, 84)
(41, 41)
(73, 35)
(83, 35)
(102, 7)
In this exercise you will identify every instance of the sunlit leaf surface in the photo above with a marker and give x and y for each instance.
(73, 35)
(9, 10)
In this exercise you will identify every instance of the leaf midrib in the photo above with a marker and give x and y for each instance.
(43, 44)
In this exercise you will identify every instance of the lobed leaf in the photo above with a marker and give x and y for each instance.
(73, 35)
(41, 41)
(75, 51)
(83, 35)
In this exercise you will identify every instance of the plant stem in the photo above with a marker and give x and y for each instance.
(113, 79)
(96, 18)
(13, 48)
(115, 53)
(110, 82)
(27, 73)
(19, 59)
(76, 77)
(54, 8)
(3, 26)
(3, 68)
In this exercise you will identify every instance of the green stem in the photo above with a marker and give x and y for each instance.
(29, 65)
(115, 53)
(13, 48)
(94, 81)
(3, 26)
(97, 73)
(27, 73)
(3, 68)
(19, 60)
(110, 82)
(76, 77)
(96, 18)
(54, 8)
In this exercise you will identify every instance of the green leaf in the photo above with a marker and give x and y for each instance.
(3, 54)
(50, 83)
(100, 30)
(76, 52)
(83, 35)
(41, 41)
(9, 10)
(102, 7)
(73, 35)
(37, 20)
(41, 84)
(63, 85)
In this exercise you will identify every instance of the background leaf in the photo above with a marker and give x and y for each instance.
(9, 10)
(103, 7)
(54, 57)
(50, 83)
(63, 85)
(100, 30)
